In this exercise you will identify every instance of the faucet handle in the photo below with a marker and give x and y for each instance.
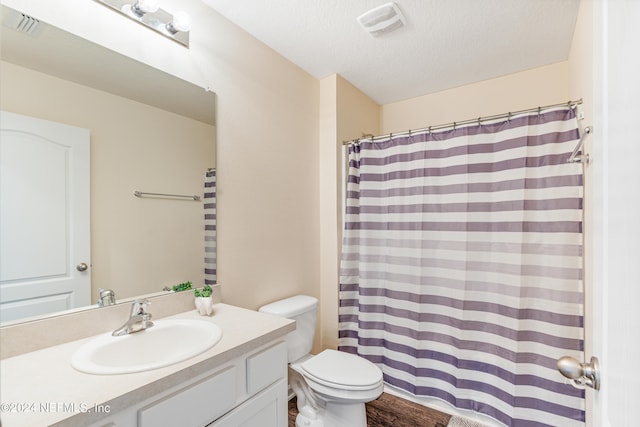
(139, 306)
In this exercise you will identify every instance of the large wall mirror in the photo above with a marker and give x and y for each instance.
(148, 132)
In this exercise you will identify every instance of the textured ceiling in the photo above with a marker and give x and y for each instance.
(445, 44)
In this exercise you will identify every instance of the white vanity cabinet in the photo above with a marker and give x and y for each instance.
(267, 409)
(250, 390)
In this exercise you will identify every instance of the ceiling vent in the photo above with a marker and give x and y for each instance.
(22, 23)
(382, 19)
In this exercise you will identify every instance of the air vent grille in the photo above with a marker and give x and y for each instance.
(27, 24)
(23, 23)
(382, 19)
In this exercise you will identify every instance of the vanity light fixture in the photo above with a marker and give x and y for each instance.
(148, 13)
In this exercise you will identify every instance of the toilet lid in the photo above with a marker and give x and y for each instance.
(342, 369)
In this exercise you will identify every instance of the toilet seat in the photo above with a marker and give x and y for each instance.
(342, 371)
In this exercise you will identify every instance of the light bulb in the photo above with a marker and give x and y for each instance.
(141, 7)
(148, 6)
(181, 22)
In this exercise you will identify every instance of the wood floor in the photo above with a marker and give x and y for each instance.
(391, 411)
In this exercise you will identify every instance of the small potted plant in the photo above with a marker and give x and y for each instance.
(204, 300)
(181, 287)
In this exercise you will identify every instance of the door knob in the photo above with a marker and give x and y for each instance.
(582, 374)
(82, 266)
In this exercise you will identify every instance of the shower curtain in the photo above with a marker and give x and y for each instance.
(210, 254)
(461, 271)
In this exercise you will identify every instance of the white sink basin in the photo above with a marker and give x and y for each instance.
(167, 342)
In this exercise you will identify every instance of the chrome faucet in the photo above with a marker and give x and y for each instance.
(139, 319)
(106, 297)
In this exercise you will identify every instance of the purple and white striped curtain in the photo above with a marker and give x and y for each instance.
(461, 273)
(210, 228)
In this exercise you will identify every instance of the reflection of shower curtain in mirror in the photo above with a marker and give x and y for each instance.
(461, 271)
(210, 255)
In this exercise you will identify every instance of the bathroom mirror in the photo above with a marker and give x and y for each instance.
(149, 132)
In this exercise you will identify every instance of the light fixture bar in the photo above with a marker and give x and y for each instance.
(175, 27)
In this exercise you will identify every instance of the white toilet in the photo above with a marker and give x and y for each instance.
(332, 387)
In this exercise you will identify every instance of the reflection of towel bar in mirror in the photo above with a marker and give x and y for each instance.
(180, 196)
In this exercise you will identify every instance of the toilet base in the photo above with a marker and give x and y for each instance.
(335, 415)
(304, 421)
(345, 415)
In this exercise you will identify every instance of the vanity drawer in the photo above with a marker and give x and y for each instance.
(196, 405)
(266, 367)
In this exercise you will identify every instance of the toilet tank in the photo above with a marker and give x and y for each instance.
(304, 310)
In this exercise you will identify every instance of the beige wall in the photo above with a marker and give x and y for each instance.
(268, 123)
(346, 113)
(580, 62)
(518, 91)
(329, 159)
(137, 245)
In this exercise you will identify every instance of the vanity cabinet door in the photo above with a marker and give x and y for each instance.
(194, 406)
(266, 367)
(266, 409)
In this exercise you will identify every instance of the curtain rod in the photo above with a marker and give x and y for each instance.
(479, 120)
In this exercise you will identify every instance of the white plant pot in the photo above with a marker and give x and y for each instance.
(204, 305)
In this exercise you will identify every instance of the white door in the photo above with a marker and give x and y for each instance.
(44, 217)
(616, 260)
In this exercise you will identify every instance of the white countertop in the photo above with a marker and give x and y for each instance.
(41, 388)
